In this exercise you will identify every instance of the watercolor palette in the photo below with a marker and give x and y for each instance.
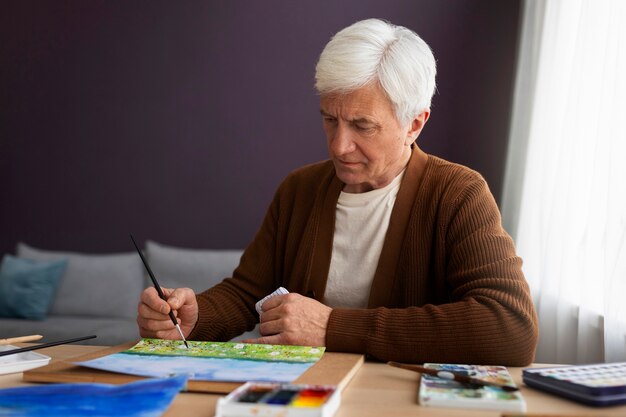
(597, 384)
(280, 400)
(21, 362)
(439, 392)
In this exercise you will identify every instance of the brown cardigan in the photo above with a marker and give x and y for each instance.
(448, 286)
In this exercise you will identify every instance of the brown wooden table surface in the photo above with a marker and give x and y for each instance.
(375, 390)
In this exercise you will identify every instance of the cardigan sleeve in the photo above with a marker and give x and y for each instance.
(279, 255)
(490, 317)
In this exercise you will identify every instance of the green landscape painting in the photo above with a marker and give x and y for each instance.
(228, 350)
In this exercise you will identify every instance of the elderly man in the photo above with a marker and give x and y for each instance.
(385, 250)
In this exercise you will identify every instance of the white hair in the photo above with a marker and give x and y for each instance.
(373, 50)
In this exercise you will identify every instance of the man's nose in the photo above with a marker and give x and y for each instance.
(342, 142)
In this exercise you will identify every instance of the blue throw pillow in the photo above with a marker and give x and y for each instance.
(27, 287)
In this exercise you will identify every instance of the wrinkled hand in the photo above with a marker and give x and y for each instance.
(293, 319)
(153, 319)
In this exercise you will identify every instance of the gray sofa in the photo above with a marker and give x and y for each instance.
(98, 294)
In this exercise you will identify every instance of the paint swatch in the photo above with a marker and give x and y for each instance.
(146, 398)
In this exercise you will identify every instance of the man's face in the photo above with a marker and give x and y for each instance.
(366, 143)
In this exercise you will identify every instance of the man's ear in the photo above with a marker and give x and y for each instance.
(417, 124)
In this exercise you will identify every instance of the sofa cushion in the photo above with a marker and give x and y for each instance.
(27, 287)
(94, 285)
(110, 331)
(197, 269)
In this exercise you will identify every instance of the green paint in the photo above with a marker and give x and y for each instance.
(229, 350)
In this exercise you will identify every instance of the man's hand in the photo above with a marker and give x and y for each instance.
(153, 319)
(293, 319)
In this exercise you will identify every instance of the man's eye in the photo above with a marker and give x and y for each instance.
(330, 120)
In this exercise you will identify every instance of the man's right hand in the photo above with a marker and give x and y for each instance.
(153, 319)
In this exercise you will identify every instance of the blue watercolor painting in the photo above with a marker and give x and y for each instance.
(199, 368)
(146, 398)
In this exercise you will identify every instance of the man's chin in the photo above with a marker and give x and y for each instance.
(348, 178)
(343, 173)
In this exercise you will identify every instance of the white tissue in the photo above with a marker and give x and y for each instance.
(279, 291)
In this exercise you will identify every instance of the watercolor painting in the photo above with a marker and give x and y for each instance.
(147, 398)
(274, 353)
(211, 361)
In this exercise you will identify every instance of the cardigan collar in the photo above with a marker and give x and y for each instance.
(381, 291)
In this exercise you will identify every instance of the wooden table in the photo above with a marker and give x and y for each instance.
(376, 390)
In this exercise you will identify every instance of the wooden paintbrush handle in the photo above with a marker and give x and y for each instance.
(21, 339)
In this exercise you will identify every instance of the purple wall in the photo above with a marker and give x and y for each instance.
(177, 120)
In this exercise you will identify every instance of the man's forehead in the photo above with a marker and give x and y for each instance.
(355, 106)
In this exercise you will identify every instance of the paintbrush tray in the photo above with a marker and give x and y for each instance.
(20, 362)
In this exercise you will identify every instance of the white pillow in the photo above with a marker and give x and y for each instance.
(198, 269)
(107, 285)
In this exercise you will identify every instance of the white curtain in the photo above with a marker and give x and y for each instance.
(565, 188)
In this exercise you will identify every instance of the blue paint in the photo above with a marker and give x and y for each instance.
(199, 368)
(145, 398)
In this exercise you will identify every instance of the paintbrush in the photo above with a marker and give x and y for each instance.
(21, 339)
(159, 291)
(453, 376)
(44, 345)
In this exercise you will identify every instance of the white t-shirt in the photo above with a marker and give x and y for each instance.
(361, 224)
